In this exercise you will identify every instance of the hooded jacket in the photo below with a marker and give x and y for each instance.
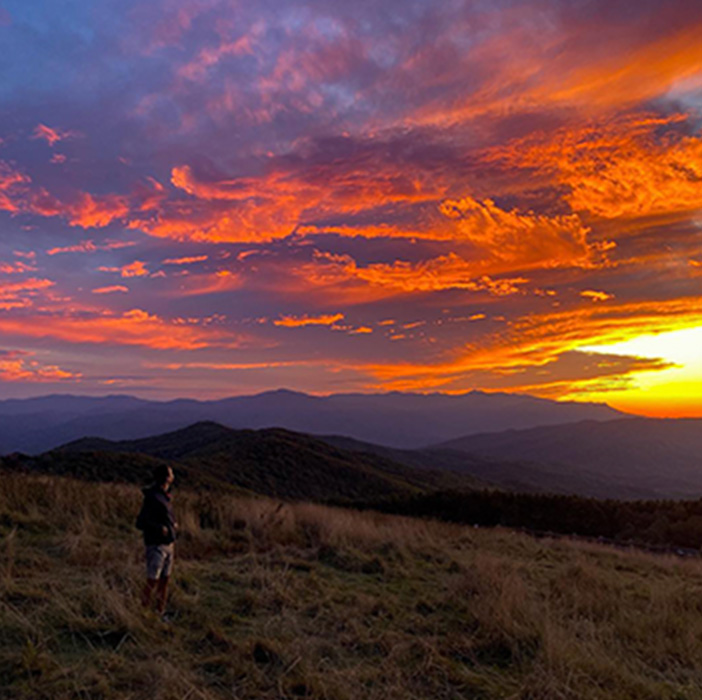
(155, 514)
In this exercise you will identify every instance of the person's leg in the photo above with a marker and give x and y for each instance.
(154, 567)
(147, 591)
(161, 594)
(166, 568)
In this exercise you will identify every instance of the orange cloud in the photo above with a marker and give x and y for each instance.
(111, 290)
(18, 294)
(133, 269)
(17, 367)
(220, 281)
(337, 188)
(540, 342)
(524, 240)
(595, 295)
(432, 228)
(621, 169)
(96, 211)
(444, 272)
(135, 327)
(275, 205)
(84, 209)
(249, 222)
(298, 321)
(564, 70)
(186, 260)
(630, 76)
(382, 279)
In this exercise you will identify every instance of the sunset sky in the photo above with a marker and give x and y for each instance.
(214, 197)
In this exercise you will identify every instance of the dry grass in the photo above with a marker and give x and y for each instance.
(289, 601)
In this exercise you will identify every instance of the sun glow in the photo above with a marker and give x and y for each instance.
(675, 391)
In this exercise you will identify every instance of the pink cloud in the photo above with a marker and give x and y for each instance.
(90, 247)
(51, 136)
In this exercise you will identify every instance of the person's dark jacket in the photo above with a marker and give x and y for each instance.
(156, 513)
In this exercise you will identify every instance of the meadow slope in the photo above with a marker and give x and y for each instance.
(296, 600)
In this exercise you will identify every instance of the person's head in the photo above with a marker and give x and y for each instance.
(163, 476)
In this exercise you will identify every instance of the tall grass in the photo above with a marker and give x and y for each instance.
(279, 600)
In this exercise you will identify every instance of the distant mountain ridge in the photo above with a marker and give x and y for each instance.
(401, 420)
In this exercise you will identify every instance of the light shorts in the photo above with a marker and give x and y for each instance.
(159, 560)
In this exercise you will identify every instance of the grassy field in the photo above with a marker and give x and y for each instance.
(298, 600)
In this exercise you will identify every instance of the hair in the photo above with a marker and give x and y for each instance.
(160, 473)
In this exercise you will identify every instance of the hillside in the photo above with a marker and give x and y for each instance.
(308, 601)
(272, 462)
(662, 457)
(403, 420)
(514, 473)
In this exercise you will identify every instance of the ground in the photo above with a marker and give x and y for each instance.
(299, 600)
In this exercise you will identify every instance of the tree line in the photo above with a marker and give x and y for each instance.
(667, 522)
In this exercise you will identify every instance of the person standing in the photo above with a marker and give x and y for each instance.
(159, 527)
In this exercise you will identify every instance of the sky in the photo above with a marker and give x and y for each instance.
(207, 198)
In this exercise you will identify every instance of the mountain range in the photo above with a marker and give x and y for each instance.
(634, 458)
(268, 442)
(400, 420)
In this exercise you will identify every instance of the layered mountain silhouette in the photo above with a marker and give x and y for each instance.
(512, 473)
(654, 458)
(274, 462)
(356, 445)
(401, 420)
(625, 459)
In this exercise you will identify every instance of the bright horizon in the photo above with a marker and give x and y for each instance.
(207, 198)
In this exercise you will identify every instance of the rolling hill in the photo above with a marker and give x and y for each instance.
(513, 472)
(274, 462)
(661, 457)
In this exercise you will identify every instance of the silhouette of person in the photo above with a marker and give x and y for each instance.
(158, 525)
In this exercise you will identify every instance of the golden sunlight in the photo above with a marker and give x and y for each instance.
(673, 392)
